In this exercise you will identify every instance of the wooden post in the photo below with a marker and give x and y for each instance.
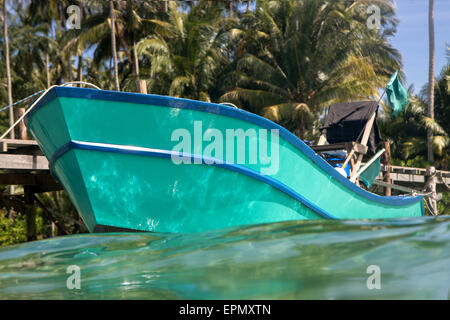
(364, 140)
(113, 44)
(352, 166)
(8, 68)
(30, 212)
(54, 230)
(22, 128)
(142, 86)
(11, 212)
(322, 140)
(387, 162)
(431, 187)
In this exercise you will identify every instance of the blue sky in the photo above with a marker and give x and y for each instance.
(412, 38)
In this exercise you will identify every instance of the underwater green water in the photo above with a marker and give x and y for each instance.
(288, 260)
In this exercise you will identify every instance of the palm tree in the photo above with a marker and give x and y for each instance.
(49, 17)
(8, 67)
(431, 78)
(113, 45)
(131, 23)
(442, 110)
(9, 86)
(31, 46)
(188, 53)
(409, 129)
(298, 57)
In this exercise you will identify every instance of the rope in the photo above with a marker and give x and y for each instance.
(229, 104)
(38, 99)
(428, 207)
(443, 181)
(20, 101)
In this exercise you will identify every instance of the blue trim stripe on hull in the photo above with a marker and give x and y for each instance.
(166, 154)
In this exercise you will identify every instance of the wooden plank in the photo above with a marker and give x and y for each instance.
(407, 178)
(47, 188)
(329, 147)
(23, 162)
(17, 146)
(32, 150)
(15, 143)
(401, 188)
(348, 146)
(27, 179)
(418, 173)
(412, 175)
(364, 140)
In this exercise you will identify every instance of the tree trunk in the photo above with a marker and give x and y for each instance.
(431, 187)
(80, 68)
(136, 60)
(113, 45)
(8, 68)
(123, 43)
(47, 69)
(431, 79)
(11, 212)
(19, 111)
(69, 68)
(80, 49)
(30, 212)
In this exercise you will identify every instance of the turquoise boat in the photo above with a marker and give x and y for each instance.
(145, 162)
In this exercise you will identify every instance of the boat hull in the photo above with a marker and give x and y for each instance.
(118, 157)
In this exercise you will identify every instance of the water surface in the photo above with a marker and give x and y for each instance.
(289, 260)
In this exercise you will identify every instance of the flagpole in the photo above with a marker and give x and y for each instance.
(381, 97)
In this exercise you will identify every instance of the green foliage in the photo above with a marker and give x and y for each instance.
(444, 204)
(408, 130)
(295, 58)
(186, 54)
(416, 162)
(12, 232)
(58, 207)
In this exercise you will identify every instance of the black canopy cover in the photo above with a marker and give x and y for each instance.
(346, 121)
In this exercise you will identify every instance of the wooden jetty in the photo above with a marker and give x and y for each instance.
(414, 176)
(22, 163)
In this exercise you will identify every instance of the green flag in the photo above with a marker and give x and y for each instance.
(371, 169)
(397, 94)
(369, 175)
